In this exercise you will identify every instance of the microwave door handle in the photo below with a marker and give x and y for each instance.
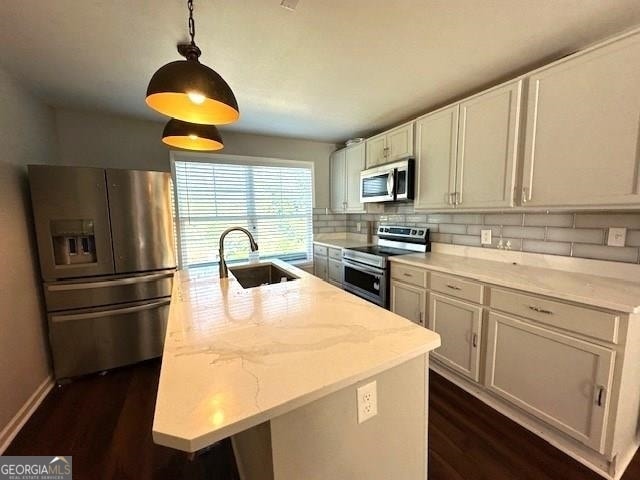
(390, 181)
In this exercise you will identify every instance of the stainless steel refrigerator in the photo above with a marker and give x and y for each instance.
(106, 248)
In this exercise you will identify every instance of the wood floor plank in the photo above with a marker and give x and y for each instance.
(105, 423)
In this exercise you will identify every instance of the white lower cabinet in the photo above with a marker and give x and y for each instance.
(568, 372)
(459, 325)
(562, 380)
(408, 301)
(321, 267)
(335, 272)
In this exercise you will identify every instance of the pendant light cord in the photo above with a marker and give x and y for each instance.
(190, 51)
(192, 23)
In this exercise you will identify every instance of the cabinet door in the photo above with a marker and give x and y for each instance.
(557, 378)
(582, 133)
(376, 150)
(408, 302)
(355, 158)
(459, 326)
(320, 267)
(334, 273)
(338, 180)
(488, 148)
(400, 143)
(436, 147)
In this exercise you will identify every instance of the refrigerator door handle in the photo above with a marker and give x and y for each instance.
(108, 313)
(108, 283)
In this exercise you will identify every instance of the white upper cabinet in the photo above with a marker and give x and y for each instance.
(582, 133)
(466, 154)
(355, 163)
(376, 150)
(400, 142)
(488, 148)
(390, 146)
(338, 180)
(436, 150)
(346, 165)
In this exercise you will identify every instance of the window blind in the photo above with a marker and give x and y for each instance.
(273, 202)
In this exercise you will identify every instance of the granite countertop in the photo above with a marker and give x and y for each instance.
(594, 290)
(235, 357)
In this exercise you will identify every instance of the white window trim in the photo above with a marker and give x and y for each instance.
(205, 157)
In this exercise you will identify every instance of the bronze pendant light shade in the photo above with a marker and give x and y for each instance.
(190, 91)
(192, 136)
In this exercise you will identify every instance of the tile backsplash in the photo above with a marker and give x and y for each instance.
(579, 234)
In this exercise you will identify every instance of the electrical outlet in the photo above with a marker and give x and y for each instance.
(367, 401)
(485, 237)
(617, 237)
(359, 227)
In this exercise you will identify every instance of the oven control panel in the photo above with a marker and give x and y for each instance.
(411, 234)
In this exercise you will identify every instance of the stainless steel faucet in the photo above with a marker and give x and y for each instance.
(224, 271)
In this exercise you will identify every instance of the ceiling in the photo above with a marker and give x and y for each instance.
(328, 71)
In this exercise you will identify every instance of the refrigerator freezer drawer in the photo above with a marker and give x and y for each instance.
(100, 339)
(107, 290)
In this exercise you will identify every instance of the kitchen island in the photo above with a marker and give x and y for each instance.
(277, 367)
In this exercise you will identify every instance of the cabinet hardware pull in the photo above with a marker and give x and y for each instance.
(450, 199)
(458, 198)
(453, 287)
(475, 340)
(601, 392)
(420, 316)
(524, 195)
(407, 274)
(540, 310)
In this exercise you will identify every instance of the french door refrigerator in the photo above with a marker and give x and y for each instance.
(106, 248)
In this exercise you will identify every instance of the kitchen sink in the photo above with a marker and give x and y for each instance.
(255, 275)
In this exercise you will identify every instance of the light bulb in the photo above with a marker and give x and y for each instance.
(193, 136)
(196, 97)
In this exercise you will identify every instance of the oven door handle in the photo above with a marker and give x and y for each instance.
(362, 268)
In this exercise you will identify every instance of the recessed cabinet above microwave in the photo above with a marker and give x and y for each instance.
(390, 146)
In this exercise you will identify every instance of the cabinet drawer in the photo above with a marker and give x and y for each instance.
(592, 323)
(320, 250)
(456, 287)
(410, 275)
(335, 253)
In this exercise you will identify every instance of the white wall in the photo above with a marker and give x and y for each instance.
(27, 135)
(95, 139)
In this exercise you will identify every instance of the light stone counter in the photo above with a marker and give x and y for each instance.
(235, 357)
(594, 290)
(342, 240)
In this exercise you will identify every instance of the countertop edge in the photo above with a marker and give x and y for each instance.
(167, 439)
(590, 301)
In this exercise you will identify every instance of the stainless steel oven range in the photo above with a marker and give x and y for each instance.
(366, 269)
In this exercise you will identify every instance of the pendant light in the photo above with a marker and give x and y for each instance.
(190, 91)
(192, 136)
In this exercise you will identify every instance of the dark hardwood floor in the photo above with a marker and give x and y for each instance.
(105, 423)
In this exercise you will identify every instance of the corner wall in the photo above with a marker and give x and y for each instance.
(27, 135)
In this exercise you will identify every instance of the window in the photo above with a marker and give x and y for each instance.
(270, 198)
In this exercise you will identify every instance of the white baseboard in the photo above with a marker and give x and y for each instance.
(17, 422)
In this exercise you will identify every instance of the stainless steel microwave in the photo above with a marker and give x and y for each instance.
(388, 183)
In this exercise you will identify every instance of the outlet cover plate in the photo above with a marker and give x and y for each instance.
(617, 237)
(367, 401)
(485, 237)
